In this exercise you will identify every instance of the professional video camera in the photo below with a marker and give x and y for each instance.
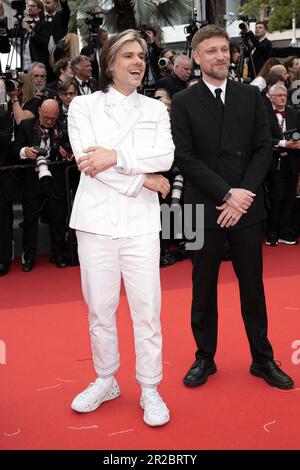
(20, 7)
(191, 29)
(11, 80)
(243, 26)
(45, 175)
(292, 134)
(94, 20)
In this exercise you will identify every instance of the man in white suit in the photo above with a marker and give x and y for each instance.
(120, 139)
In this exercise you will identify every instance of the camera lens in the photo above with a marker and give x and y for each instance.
(163, 62)
(11, 85)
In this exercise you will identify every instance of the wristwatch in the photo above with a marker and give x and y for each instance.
(227, 196)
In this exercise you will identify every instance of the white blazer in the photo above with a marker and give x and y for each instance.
(115, 202)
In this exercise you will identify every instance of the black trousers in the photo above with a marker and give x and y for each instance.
(6, 230)
(52, 201)
(246, 252)
(282, 191)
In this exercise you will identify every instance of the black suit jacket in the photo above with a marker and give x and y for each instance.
(93, 85)
(38, 44)
(214, 157)
(260, 55)
(171, 83)
(60, 22)
(292, 121)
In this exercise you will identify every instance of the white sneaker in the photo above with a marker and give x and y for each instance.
(156, 412)
(92, 397)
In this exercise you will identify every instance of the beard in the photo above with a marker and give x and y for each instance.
(218, 74)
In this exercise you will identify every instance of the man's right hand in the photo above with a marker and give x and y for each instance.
(157, 183)
(241, 199)
(31, 153)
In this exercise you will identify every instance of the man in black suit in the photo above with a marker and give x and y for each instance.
(59, 19)
(223, 149)
(261, 47)
(42, 193)
(177, 80)
(82, 70)
(283, 174)
(36, 33)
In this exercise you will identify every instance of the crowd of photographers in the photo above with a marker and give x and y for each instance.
(35, 151)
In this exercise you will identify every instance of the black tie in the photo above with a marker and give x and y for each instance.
(220, 104)
(87, 83)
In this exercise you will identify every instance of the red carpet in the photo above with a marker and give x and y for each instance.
(43, 324)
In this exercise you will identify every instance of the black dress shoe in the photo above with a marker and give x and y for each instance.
(272, 374)
(28, 265)
(199, 372)
(60, 261)
(4, 268)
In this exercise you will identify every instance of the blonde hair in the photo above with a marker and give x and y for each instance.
(208, 32)
(27, 88)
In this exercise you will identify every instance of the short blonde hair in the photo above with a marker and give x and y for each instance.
(208, 32)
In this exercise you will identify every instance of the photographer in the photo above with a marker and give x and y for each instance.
(35, 34)
(94, 50)
(178, 79)
(282, 177)
(166, 62)
(25, 103)
(58, 18)
(261, 47)
(44, 188)
(152, 73)
(4, 40)
(66, 92)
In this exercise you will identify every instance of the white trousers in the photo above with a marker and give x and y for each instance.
(103, 261)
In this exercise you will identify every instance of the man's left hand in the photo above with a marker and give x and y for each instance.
(229, 216)
(96, 160)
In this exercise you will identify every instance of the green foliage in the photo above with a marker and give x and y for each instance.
(280, 12)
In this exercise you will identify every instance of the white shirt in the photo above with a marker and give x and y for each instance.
(212, 88)
(282, 125)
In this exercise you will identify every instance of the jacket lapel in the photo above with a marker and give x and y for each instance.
(208, 101)
(134, 113)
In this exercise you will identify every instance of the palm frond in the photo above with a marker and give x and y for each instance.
(143, 11)
(117, 13)
(169, 13)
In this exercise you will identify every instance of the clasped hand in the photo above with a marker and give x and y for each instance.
(235, 207)
(96, 160)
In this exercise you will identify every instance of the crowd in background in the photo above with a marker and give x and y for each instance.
(34, 129)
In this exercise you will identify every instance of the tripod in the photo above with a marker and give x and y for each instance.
(16, 45)
(245, 48)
